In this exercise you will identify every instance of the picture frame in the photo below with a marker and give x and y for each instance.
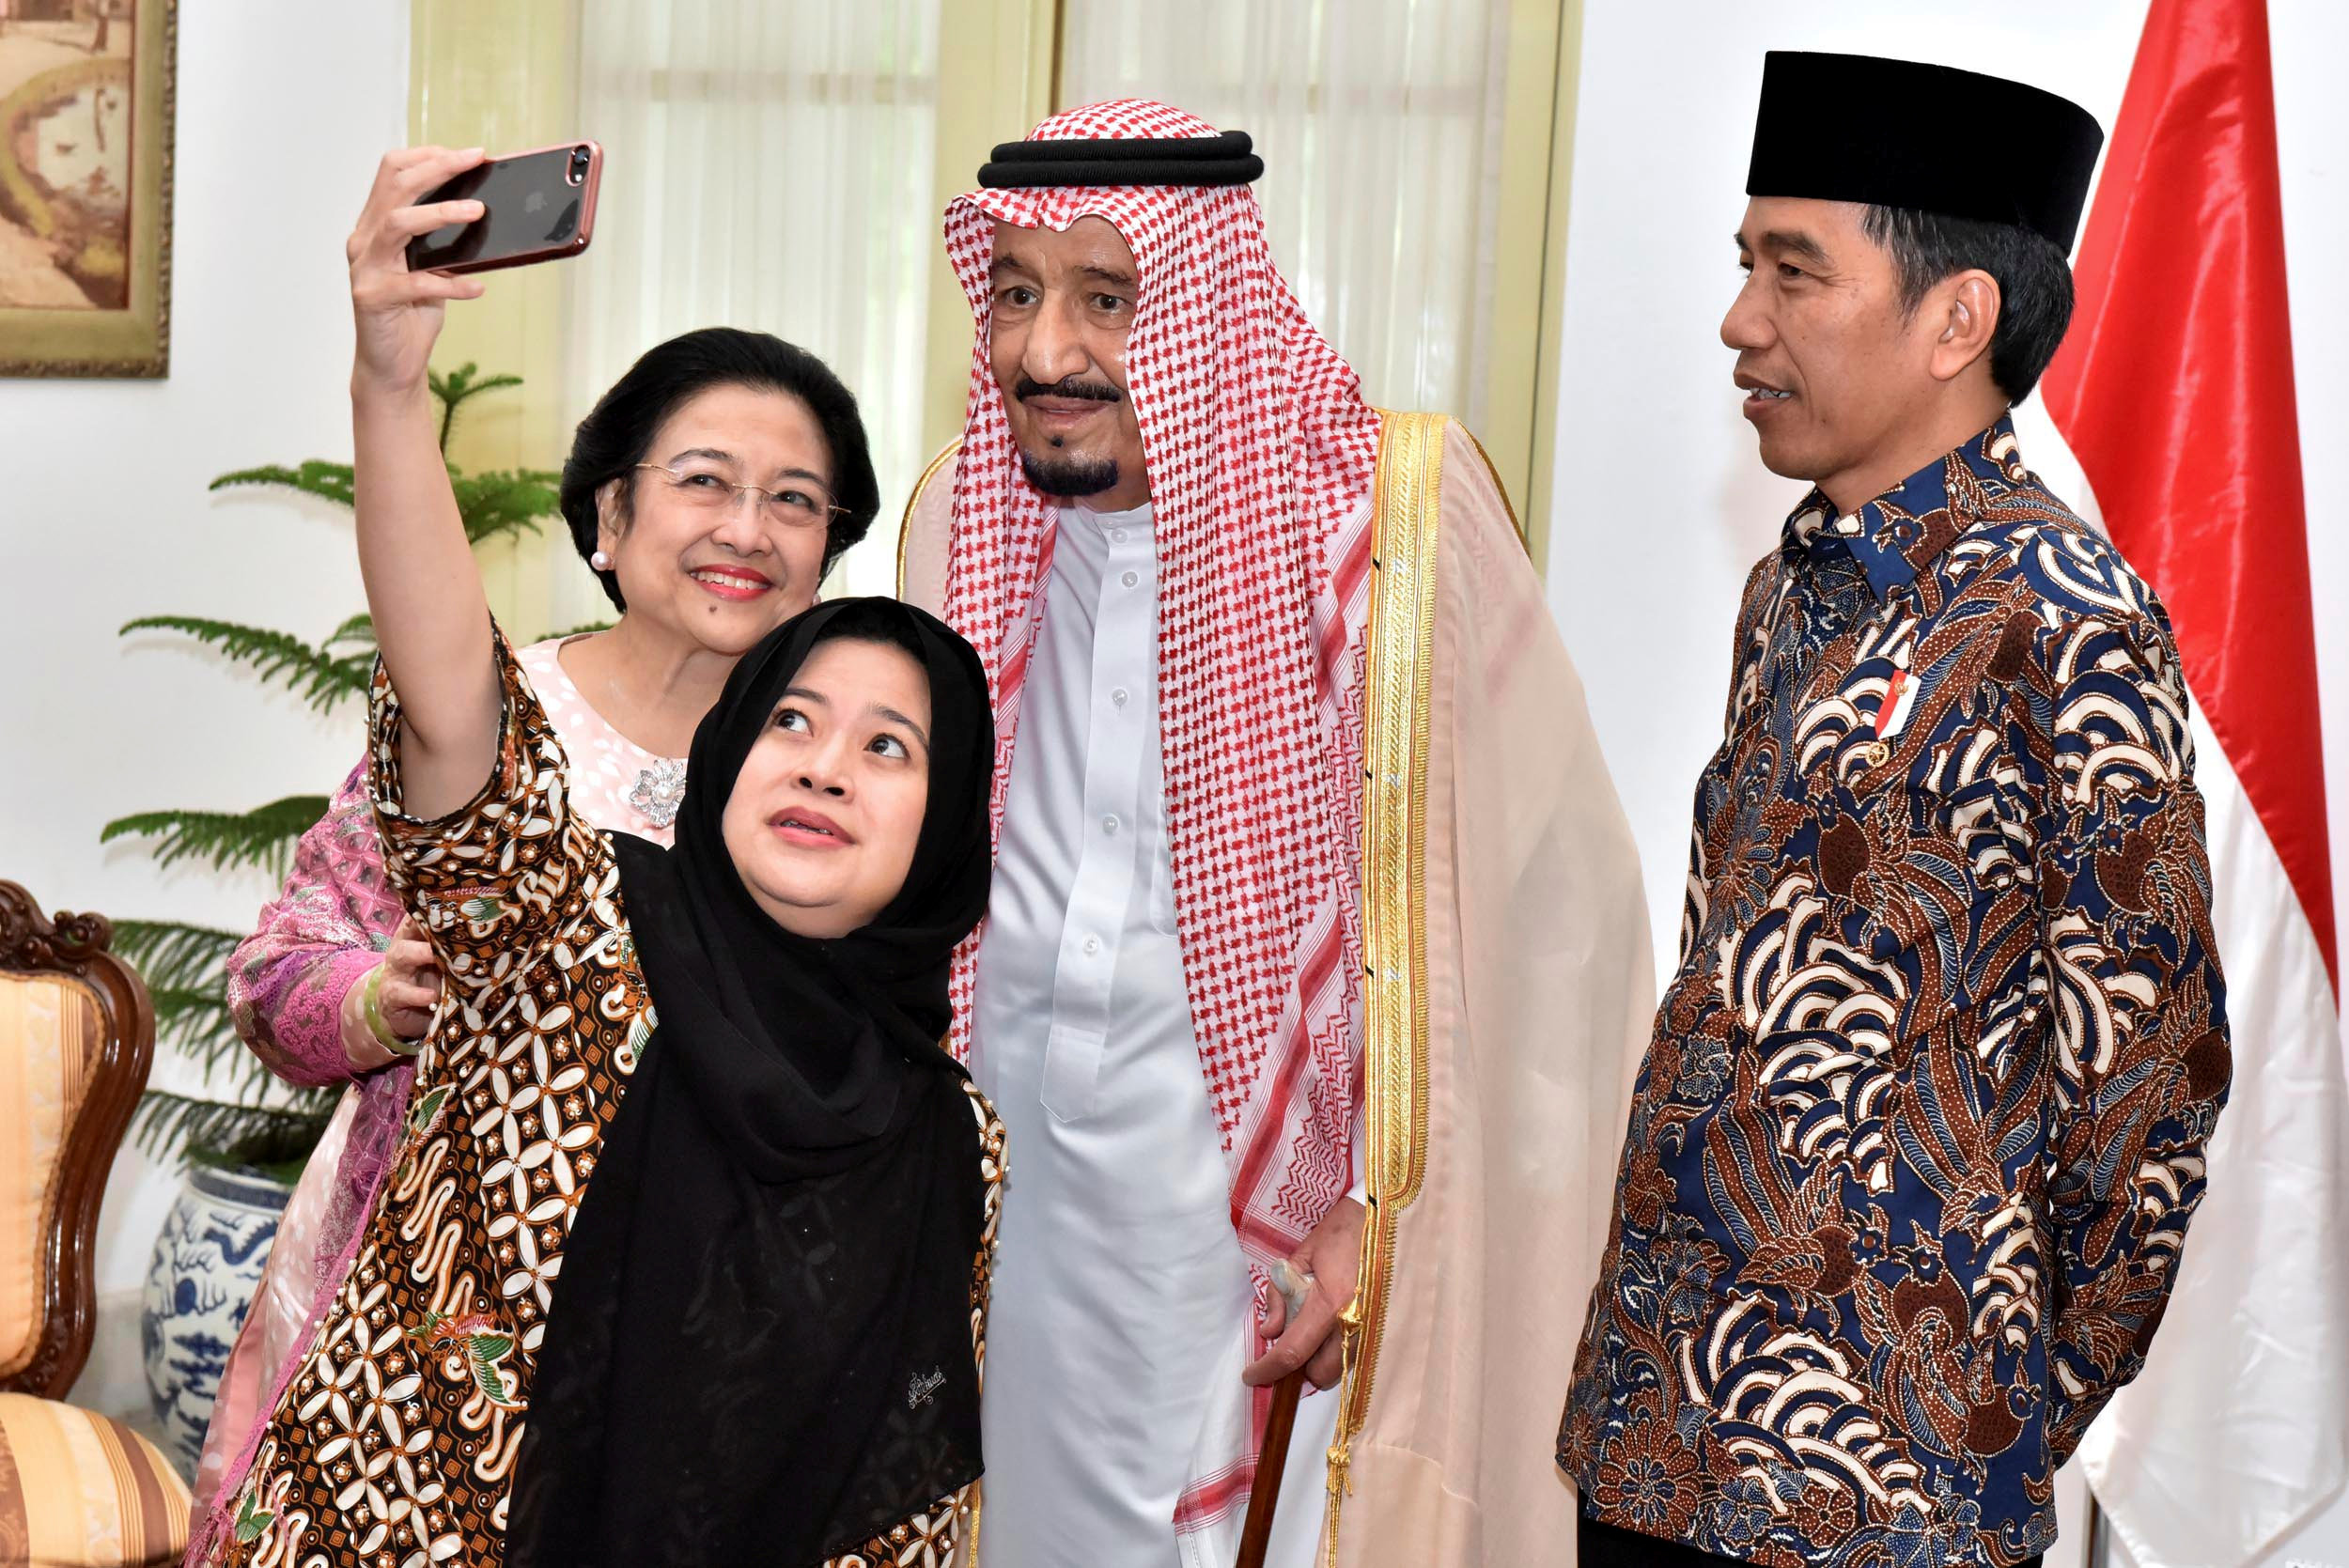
(87, 103)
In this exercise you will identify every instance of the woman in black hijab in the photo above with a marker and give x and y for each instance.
(763, 1350)
(685, 1259)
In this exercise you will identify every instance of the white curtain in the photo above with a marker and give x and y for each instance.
(768, 167)
(1380, 124)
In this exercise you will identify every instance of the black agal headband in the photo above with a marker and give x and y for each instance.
(1220, 160)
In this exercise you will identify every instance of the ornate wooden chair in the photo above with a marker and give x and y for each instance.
(76, 1034)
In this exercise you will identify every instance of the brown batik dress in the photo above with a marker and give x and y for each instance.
(393, 1444)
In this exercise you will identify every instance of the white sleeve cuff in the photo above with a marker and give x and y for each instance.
(1360, 1191)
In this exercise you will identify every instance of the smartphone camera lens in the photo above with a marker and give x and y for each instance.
(575, 173)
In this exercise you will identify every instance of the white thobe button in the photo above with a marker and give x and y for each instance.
(1093, 945)
(1117, 536)
(1129, 578)
(1119, 696)
(1109, 825)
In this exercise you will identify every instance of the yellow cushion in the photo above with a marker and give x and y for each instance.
(49, 1044)
(81, 1491)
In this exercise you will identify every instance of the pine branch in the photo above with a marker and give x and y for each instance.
(195, 1019)
(464, 383)
(262, 837)
(225, 1061)
(268, 1127)
(461, 386)
(191, 998)
(327, 481)
(318, 676)
(358, 632)
(167, 953)
(508, 501)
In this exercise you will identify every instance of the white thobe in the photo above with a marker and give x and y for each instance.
(1121, 1298)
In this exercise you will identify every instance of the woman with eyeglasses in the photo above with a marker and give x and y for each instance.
(709, 490)
(683, 1255)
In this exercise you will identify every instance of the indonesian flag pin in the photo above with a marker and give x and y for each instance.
(1899, 694)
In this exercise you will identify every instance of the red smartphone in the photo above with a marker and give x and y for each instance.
(537, 206)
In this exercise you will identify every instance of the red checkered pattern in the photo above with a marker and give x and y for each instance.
(1261, 454)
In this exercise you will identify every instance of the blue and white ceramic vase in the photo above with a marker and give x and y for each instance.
(207, 1267)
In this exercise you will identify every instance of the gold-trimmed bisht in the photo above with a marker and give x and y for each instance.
(1400, 656)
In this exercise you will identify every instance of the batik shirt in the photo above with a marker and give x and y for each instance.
(1915, 1141)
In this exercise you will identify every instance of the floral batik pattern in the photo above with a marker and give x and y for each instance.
(286, 983)
(393, 1443)
(1917, 1137)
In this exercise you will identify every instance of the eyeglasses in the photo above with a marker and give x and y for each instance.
(799, 504)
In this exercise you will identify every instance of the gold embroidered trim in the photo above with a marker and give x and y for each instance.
(1400, 656)
(905, 523)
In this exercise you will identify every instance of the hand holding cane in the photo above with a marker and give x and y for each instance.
(1255, 1536)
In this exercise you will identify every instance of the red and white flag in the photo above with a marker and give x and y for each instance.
(2174, 392)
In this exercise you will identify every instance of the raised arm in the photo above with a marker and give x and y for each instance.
(431, 618)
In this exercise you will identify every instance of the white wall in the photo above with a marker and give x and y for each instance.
(1661, 504)
(284, 106)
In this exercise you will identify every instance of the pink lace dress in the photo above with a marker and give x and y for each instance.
(324, 931)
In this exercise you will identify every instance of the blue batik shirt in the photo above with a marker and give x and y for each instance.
(1918, 1134)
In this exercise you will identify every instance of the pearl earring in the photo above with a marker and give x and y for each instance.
(600, 561)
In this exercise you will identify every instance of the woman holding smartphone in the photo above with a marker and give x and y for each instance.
(683, 1254)
(332, 987)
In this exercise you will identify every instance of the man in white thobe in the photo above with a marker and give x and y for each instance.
(1253, 990)
(1119, 1251)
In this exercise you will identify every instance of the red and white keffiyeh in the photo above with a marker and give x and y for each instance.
(1261, 454)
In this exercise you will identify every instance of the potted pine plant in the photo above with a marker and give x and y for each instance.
(244, 1141)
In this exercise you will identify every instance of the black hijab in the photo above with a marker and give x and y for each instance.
(760, 1344)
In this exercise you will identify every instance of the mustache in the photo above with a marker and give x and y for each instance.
(1067, 386)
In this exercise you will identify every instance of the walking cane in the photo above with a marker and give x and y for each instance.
(1255, 1535)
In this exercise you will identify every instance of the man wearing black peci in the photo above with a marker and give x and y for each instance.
(1919, 1128)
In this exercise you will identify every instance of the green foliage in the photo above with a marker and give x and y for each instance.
(192, 1018)
(268, 1127)
(327, 481)
(359, 631)
(506, 502)
(320, 675)
(185, 968)
(263, 837)
(461, 387)
(493, 504)
(186, 972)
(167, 953)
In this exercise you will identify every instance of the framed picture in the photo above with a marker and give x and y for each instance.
(85, 107)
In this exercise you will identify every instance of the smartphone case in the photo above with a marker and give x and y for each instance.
(441, 250)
